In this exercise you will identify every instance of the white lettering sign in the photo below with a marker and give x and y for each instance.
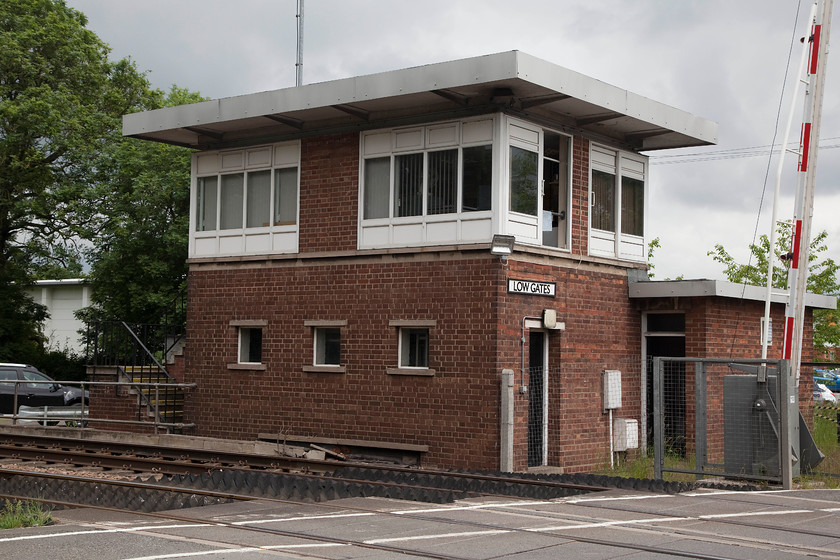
(531, 287)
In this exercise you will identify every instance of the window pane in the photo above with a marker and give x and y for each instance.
(259, 199)
(250, 346)
(408, 185)
(414, 347)
(632, 206)
(377, 187)
(603, 197)
(285, 196)
(477, 181)
(231, 201)
(524, 192)
(206, 207)
(443, 182)
(328, 346)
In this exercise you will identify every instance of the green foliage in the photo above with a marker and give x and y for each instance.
(139, 254)
(16, 514)
(61, 101)
(822, 275)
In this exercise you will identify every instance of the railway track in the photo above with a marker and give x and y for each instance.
(181, 470)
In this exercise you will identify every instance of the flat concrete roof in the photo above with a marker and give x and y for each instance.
(720, 288)
(513, 82)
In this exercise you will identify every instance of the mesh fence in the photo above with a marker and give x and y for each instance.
(718, 418)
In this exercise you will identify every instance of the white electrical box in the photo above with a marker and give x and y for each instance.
(625, 434)
(612, 389)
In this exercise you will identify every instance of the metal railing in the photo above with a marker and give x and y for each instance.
(80, 416)
(138, 352)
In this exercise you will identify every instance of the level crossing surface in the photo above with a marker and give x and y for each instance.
(616, 524)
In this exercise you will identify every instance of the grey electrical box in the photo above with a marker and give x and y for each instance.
(612, 389)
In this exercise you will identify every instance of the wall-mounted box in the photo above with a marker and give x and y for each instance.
(612, 389)
(625, 434)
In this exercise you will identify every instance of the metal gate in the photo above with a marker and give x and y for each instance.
(727, 419)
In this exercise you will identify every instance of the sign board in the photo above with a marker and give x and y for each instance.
(531, 287)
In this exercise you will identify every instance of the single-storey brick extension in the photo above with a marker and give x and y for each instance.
(442, 259)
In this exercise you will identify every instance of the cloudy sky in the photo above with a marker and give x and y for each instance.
(722, 60)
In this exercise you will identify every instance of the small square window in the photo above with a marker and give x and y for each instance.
(327, 346)
(414, 347)
(250, 345)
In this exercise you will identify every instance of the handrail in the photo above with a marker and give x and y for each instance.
(146, 350)
(84, 411)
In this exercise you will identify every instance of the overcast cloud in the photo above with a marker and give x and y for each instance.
(718, 59)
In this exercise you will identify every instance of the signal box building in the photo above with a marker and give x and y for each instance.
(436, 260)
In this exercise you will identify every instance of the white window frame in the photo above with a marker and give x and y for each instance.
(319, 328)
(461, 226)
(403, 327)
(270, 238)
(615, 244)
(246, 326)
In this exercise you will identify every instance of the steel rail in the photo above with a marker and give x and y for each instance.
(180, 460)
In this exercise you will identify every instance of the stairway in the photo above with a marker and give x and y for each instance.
(166, 398)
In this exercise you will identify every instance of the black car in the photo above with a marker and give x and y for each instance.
(30, 393)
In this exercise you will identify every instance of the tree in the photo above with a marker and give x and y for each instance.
(138, 256)
(61, 100)
(822, 275)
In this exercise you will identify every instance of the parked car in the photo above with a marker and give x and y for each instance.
(30, 393)
(829, 378)
(823, 394)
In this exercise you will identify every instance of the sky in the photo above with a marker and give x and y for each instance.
(718, 59)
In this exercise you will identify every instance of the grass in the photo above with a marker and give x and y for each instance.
(827, 473)
(17, 514)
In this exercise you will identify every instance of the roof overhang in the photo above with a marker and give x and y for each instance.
(720, 288)
(512, 82)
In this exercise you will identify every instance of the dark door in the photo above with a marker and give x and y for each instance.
(673, 390)
(536, 401)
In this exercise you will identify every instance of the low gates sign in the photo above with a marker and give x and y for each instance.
(531, 287)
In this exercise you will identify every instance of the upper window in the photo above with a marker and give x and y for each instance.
(247, 198)
(617, 216)
(437, 175)
(246, 201)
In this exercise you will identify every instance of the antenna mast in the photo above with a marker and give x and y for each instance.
(299, 63)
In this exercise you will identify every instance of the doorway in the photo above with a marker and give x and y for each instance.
(665, 337)
(537, 400)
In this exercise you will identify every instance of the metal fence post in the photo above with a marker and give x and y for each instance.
(658, 425)
(700, 418)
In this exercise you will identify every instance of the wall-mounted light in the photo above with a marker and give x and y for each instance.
(502, 245)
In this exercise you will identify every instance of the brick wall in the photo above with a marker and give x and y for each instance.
(329, 195)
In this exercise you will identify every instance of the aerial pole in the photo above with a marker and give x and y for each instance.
(299, 63)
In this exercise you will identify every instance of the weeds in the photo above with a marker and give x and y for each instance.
(18, 514)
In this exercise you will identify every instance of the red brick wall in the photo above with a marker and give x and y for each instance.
(580, 196)
(601, 332)
(329, 194)
(456, 412)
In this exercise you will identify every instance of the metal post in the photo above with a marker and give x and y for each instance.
(700, 418)
(789, 433)
(506, 422)
(299, 63)
(658, 431)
